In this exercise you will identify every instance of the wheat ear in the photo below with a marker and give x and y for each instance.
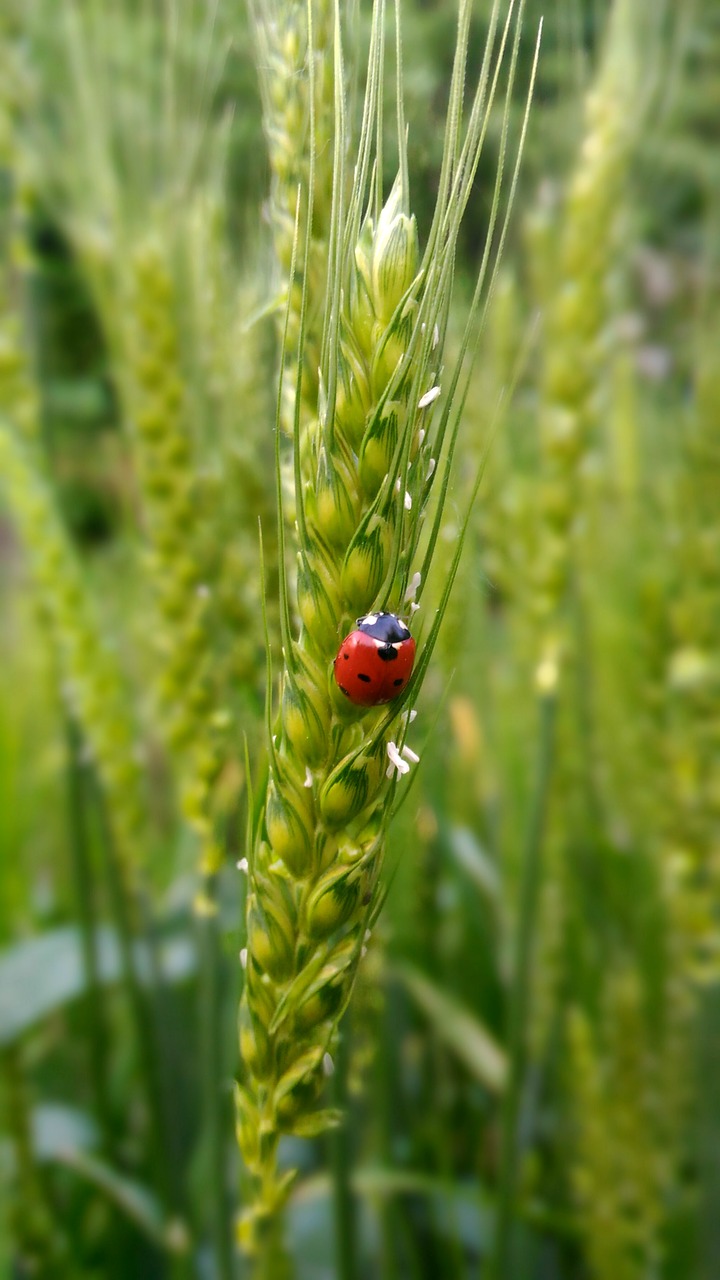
(371, 471)
(576, 302)
(294, 51)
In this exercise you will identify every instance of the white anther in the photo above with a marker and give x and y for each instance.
(431, 468)
(421, 437)
(410, 755)
(242, 865)
(398, 485)
(412, 590)
(243, 958)
(396, 762)
(429, 397)
(436, 337)
(308, 777)
(367, 935)
(414, 607)
(328, 1065)
(407, 502)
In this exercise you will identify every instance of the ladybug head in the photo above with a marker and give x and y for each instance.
(386, 627)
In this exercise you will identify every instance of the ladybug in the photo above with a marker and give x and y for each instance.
(374, 662)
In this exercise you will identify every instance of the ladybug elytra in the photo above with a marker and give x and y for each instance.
(375, 661)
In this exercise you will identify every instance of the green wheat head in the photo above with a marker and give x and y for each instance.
(294, 102)
(371, 472)
(153, 249)
(91, 682)
(628, 1089)
(576, 266)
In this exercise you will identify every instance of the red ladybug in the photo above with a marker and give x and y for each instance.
(374, 662)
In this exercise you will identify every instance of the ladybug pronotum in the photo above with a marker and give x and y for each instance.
(375, 662)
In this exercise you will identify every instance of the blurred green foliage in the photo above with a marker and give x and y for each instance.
(118, 997)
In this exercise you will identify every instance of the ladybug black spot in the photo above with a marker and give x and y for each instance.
(346, 656)
(397, 682)
(365, 679)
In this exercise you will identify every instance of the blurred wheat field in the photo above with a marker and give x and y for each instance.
(308, 310)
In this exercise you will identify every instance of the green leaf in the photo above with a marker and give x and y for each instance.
(177, 958)
(37, 976)
(460, 1029)
(133, 1198)
(462, 1207)
(57, 1128)
(458, 1207)
(41, 974)
(473, 859)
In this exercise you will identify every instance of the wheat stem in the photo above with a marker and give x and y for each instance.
(42, 1246)
(346, 1243)
(131, 946)
(87, 915)
(214, 1098)
(519, 998)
